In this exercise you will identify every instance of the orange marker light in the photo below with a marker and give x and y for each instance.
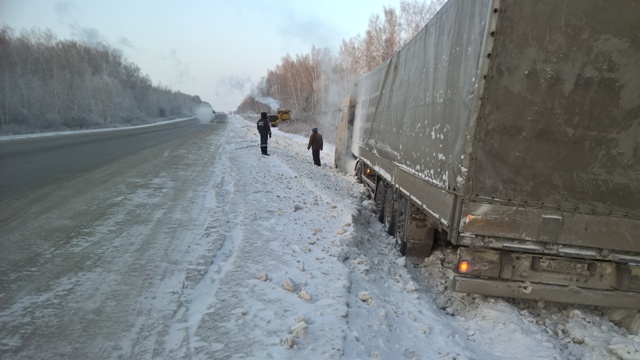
(463, 267)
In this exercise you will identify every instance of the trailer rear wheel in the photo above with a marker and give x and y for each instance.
(359, 172)
(389, 212)
(381, 193)
(401, 225)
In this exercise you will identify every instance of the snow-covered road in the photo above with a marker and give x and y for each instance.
(234, 255)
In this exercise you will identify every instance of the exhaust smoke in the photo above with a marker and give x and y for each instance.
(204, 113)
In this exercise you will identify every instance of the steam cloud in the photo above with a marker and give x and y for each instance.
(267, 100)
(204, 113)
(87, 35)
(308, 30)
(124, 42)
(183, 74)
(273, 103)
(236, 83)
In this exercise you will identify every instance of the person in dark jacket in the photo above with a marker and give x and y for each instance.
(315, 144)
(265, 132)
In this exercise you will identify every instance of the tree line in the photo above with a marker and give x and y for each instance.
(312, 85)
(50, 84)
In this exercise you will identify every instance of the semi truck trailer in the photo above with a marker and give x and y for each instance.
(510, 131)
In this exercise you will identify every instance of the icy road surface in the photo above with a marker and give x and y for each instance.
(205, 249)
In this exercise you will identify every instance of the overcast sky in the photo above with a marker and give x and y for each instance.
(216, 49)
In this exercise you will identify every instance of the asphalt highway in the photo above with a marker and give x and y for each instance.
(27, 164)
(94, 231)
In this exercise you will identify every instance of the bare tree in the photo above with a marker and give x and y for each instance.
(373, 50)
(414, 15)
(391, 32)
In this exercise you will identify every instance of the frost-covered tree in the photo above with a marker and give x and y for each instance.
(50, 84)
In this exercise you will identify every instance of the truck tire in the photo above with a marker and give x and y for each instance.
(401, 225)
(359, 172)
(389, 212)
(380, 195)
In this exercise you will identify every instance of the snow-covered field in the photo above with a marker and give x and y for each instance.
(307, 272)
(270, 257)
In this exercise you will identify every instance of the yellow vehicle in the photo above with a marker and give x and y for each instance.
(284, 114)
(274, 120)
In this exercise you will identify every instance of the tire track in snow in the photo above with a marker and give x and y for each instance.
(218, 247)
(276, 232)
(218, 327)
